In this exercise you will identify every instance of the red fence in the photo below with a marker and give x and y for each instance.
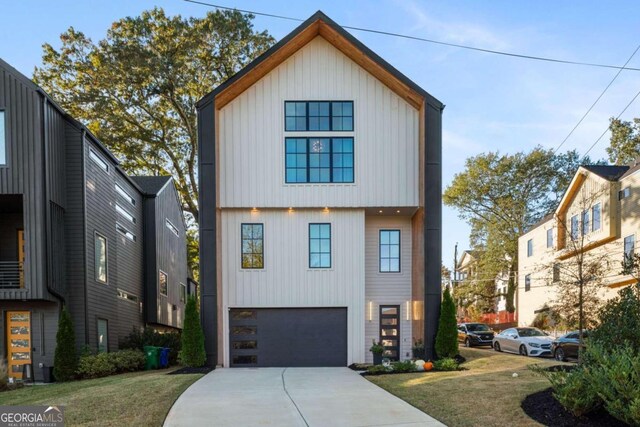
(500, 320)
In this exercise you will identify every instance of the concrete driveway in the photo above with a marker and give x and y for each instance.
(291, 397)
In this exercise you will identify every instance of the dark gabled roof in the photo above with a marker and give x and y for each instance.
(320, 16)
(610, 173)
(151, 185)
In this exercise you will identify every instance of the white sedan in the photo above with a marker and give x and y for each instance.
(523, 341)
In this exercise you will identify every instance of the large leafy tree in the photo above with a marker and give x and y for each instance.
(136, 89)
(624, 146)
(501, 196)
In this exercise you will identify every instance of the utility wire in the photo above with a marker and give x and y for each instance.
(421, 39)
(596, 101)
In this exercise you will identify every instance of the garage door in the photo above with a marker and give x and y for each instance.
(282, 337)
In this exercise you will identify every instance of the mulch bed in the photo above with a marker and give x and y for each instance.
(186, 370)
(359, 366)
(545, 409)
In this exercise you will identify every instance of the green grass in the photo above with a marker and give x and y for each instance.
(486, 394)
(135, 399)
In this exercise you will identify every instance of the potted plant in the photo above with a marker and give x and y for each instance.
(377, 349)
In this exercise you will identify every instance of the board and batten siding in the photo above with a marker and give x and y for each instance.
(386, 132)
(387, 288)
(287, 280)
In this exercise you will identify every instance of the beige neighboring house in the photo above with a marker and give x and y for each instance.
(601, 210)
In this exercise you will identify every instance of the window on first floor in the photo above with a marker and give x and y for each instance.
(556, 273)
(101, 258)
(319, 160)
(252, 256)
(3, 140)
(389, 251)
(163, 283)
(624, 193)
(183, 293)
(103, 336)
(527, 283)
(319, 245)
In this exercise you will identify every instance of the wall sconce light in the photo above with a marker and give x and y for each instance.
(408, 310)
(370, 311)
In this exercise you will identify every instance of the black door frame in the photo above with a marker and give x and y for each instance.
(396, 327)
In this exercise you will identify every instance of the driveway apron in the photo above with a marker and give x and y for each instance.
(314, 397)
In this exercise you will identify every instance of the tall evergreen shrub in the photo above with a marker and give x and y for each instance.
(447, 336)
(65, 360)
(192, 352)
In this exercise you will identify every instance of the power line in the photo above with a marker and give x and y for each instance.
(596, 101)
(422, 39)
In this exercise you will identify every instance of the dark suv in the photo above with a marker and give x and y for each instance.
(475, 334)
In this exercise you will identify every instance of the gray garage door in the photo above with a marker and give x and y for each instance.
(281, 337)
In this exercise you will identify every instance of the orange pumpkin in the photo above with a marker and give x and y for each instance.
(428, 366)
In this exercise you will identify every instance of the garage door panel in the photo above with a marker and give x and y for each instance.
(282, 337)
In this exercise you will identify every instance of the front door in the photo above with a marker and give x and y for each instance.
(390, 331)
(21, 256)
(18, 341)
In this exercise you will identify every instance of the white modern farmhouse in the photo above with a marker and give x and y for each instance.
(320, 206)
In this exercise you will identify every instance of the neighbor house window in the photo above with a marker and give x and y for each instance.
(575, 223)
(183, 293)
(586, 222)
(527, 283)
(122, 211)
(319, 160)
(162, 283)
(318, 116)
(126, 233)
(319, 245)
(595, 217)
(103, 336)
(390, 251)
(172, 227)
(624, 193)
(101, 258)
(550, 238)
(3, 140)
(530, 247)
(252, 245)
(98, 160)
(629, 246)
(122, 192)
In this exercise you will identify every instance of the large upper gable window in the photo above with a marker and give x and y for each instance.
(319, 160)
(323, 116)
(3, 140)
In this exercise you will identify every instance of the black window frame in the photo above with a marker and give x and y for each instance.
(96, 236)
(166, 283)
(332, 142)
(174, 230)
(399, 244)
(106, 345)
(183, 292)
(527, 282)
(125, 232)
(330, 116)
(125, 213)
(99, 161)
(624, 193)
(242, 239)
(120, 190)
(320, 253)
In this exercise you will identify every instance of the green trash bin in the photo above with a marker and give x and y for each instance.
(152, 356)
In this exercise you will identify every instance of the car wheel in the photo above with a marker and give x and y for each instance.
(467, 342)
(496, 346)
(559, 355)
(523, 350)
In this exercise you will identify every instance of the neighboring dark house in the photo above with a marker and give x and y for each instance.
(76, 230)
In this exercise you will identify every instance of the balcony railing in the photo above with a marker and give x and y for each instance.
(11, 275)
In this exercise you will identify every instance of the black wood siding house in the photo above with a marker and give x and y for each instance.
(76, 230)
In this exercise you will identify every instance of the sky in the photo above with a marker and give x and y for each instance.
(493, 103)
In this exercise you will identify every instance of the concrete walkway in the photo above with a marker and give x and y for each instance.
(285, 397)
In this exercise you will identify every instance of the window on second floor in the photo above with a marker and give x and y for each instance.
(319, 160)
(322, 116)
(125, 213)
(172, 227)
(527, 283)
(101, 258)
(586, 222)
(575, 227)
(530, 247)
(183, 293)
(624, 193)
(389, 251)
(252, 246)
(102, 163)
(595, 217)
(124, 194)
(550, 238)
(163, 283)
(3, 140)
(319, 245)
(629, 249)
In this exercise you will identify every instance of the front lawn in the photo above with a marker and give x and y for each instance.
(140, 398)
(486, 394)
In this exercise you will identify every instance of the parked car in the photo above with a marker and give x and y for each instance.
(567, 345)
(523, 341)
(475, 334)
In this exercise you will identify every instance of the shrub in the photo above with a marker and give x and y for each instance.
(418, 349)
(105, 364)
(446, 364)
(620, 320)
(406, 366)
(377, 370)
(137, 339)
(65, 359)
(128, 360)
(573, 390)
(447, 336)
(192, 352)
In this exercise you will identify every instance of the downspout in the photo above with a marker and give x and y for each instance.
(83, 134)
(47, 210)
